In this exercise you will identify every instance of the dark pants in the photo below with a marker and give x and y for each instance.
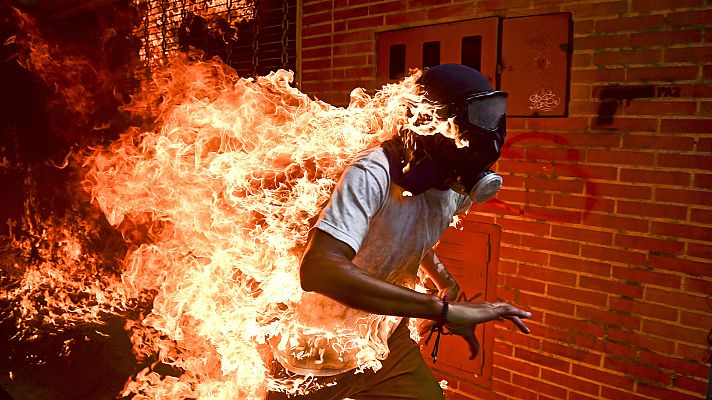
(404, 375)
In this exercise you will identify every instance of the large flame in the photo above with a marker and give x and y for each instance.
(214, 203)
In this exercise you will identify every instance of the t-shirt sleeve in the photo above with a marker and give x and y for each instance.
(359, 194)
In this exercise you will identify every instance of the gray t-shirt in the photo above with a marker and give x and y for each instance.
(390, 232)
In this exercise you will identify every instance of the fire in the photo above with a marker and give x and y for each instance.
(214, 203)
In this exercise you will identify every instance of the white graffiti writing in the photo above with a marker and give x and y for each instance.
(543, 101)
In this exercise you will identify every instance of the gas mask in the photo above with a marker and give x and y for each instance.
(436, 161)
(481, 118)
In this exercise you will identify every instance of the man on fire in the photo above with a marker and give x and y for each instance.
(389, 209)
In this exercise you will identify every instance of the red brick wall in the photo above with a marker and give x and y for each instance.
(605, 224)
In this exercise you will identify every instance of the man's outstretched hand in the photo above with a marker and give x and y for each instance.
(462, 318)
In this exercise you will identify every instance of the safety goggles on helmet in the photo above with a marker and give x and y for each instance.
(486, 109)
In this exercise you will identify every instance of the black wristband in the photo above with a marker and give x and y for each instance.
(446, 306)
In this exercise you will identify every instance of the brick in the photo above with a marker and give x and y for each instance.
(617, 223)
(675, 298)
(315, 30)
(583, 27)
(642, 308)
(353, 37)
(689, 54)
(514, 390)
(534, 227)
(316, 18)
(350, 13)
(541, 359)
(675, 331)
(586, 203)
(661, 38)
(614, 255)
(493, 5)
(611, 286)
(385, 7)
(629, 124)
(546, 303)
(606, 41)
(695, 319)
(689, 18)
(703, 180)
(706, 108)
(523, 284)
(316, 53)
(640, 371)
(655, 176)
(316, 41)
(549, 214)
(654, 210)
(315, 7)
(583, 266)
(674, 108)
(596, 9)
(680, 230)
(624, 191)
(579, 92)
(690, 267)
(636, 340)
(622, 24)
(575, 325)
(547, 275)
(524, 167)
(529, 256)
(608, 75)
(558, 124)
(352, 49)
(582, 235)
(656, 5)
(406, 17)
(524, 197)
(577, 295)
(610, 318)
(662, 74)
(620, 157)
(316, 64)
(362, 23)
(657, 392)
(513, 364)
(627, 57)
(555, 245)
(587, 171)
(703, 286)
(554, 154)
(604, 377)
(686, 161)
(555, 185)
(670, 195)
(690, 384)
(664, 246)
(678, 365)
(701, 250)
(615, 394)
(695, 351)
(645, 276)
(571, 382)
(461, 11)
(538, 386)
(695, 125)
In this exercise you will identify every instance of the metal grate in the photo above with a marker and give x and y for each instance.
(252, 36)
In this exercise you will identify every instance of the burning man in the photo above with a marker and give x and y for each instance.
(389, 209)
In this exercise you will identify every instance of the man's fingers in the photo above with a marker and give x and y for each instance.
(518, 322)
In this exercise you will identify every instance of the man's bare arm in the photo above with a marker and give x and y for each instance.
(327, 269)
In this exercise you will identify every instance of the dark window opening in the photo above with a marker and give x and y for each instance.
(431, 54)
(396, 65)
(472, 51)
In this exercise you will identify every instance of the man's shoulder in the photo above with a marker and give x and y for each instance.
(373, 157)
